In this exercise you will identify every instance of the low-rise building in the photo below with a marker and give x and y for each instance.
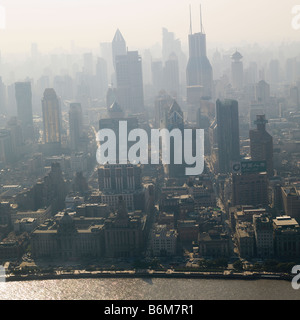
(213, 244)
(25, 225)
(245, 239)
(62, 239)
(40, 215)
(163, 241)
(188, 230)
(286, 238)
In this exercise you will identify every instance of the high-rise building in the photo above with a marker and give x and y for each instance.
(262, 91)
(172, 45)
(23, 96)
(261, 144)
(118, 46)
(250, 189)
(115, 115)
(129, 77)
(157, 75)
(120, 179)
(101, 78)
(227, 116)
(171, 76)
(6, 154)
(237, 71)
(3, 97)
(75, 125)
(51, 117)
(175, 120)
(14, 126)
(106, 54)
(162, 104)
(199, 75)
(169, 44)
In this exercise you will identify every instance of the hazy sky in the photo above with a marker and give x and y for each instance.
(55, 23)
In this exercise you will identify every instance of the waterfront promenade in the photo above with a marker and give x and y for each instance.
(77, 274)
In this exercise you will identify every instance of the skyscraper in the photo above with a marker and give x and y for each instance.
(171, 76)
(261, 144)
(23, 96)
(237, 71)
(227, 115)
(75, 125)
(175, 120)
(6, 153)
(129, 78)
(13, 125)
(169, 44)
(157, 75)
(118, 46)
(3, 97)
(199, 73)
(162, 104)
(115, 115)
(101, 78)
(51, 117)
(262, 93)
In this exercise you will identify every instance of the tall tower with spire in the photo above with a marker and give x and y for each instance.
(199, 73)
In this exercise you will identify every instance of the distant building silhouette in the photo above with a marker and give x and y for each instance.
(75, 125)
(24, 108)
(171, 76)
(118, 46)
(51, 119)
(237, 71)
(6, 152)
(157, 75)
(261, 144)
(227, 115)
(129, 78)
(175, 120)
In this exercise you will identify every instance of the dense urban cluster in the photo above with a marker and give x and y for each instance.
(57, 204)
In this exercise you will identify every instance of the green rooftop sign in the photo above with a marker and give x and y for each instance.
(249, 167)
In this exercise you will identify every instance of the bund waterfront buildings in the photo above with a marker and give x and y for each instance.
(68, 238)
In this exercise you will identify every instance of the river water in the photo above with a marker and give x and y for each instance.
(148, 289)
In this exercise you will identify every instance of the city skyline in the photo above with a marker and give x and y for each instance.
(32, 22)
(132, 145)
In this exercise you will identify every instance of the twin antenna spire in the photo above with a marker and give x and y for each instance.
(201, 24)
